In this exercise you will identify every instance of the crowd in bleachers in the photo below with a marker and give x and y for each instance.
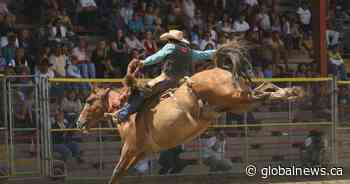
(53, 37)
(98, 38)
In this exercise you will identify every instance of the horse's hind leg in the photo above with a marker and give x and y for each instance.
(127, 159)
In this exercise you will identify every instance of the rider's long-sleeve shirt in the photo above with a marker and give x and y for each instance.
(170, 48)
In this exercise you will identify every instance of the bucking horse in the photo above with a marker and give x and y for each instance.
(181, 115)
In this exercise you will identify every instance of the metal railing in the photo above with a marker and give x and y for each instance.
(248, 138)
(287, 127)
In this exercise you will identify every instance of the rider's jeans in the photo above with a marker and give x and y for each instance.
(131, 106)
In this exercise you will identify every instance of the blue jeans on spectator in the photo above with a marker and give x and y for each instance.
(339, 69)
(67, 150)
(87, 70)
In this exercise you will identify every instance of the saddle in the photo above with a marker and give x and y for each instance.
(152, 101)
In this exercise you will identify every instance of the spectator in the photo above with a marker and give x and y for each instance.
(336, 63)
(87, 68)
(259, 72)
(305, 18)
(264, 19)
(227, 26)
(198, 20)
(117, 22)
(213, 34)
(136, 25)
(58, 62)
(241, 25)
(87, 12)
(213, 155)
(295, 35)
(301, 71)
(58, 31)
(20, 58)
(149, 44)
(268, 71)
(23, 112)
(251, 3)
(170, 161)
(101, 58)
(7, 27)
(276, 23)
(175, 19)
(286, 33)
(73, 70)
(278, 48)
(205, 41)
(71, 106)
(189, 9)
(159, 29)
(311, 150)
(127, 12)
(150, 19)
(25, 41)
(9, 51)
(119, 53)
(332, 37)
(344, 96)
(142, 167)
(3, 8)
(43, 69)
(63, 144)
(195, 39)
(133, 42)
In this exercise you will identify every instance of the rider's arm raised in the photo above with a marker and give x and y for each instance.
(202, 55)
(160, 55)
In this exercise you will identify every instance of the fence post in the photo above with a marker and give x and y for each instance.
(10, 113)
(335, 119)
(6, 123)
(45, 125)
(246, 152)
(334, 103)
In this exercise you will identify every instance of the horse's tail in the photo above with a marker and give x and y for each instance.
(235, 55)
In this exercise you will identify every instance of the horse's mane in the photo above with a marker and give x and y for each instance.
(234, 56)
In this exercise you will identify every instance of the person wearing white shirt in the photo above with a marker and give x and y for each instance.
(305, 18)
(58, 62)
(43, 69)
(265, 22)
(332, 37)
(241, 25)
(213, 153)
(133, 43)
(87, 3)
(304, 15)
(189, 8)
(58, 31)
(142, 166)
(205, 41)
(127, 12)
(213, 34)
(87, 13)
(251, 3)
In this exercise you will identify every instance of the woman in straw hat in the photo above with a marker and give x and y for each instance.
(177, 57)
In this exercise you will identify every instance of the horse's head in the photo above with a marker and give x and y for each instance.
(234, 57)
(95, 107)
